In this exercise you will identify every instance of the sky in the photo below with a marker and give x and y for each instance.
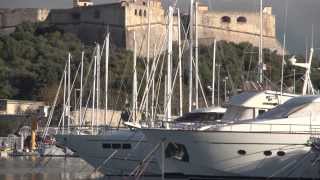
(301, 15)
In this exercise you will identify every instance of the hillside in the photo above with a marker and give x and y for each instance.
(32, 60)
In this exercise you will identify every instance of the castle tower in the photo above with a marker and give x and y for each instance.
(81, 3)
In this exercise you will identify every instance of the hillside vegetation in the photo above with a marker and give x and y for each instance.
(32, 60)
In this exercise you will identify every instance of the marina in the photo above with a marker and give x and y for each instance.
(154, 90)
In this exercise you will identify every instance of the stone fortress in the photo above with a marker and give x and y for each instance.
(92, 22)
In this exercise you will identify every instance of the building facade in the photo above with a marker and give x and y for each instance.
(92, 22)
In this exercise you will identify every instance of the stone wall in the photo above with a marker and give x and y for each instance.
(93, 22)
(10, 18)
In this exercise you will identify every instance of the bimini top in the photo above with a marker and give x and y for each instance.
(262, 99)
(297, 106)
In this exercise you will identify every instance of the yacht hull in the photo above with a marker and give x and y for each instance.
(106, 153)
(239, 154)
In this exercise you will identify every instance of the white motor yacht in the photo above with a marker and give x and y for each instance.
(281, 143)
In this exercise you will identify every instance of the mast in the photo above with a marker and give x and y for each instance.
(260, 64)
(214, 69)
(180, 66)
(106, 76)
(134, 88)
(219, 66)
(147, 64)
(98, 85)
(69, 93)
(196, 54)
(81, 88)
(64, 100)
(169, 64)
(191, 53)
(283, 49)
(94, 93)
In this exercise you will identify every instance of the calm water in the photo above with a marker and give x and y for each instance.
(47, 168)
(44, 168)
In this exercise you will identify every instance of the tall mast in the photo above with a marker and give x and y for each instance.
(147, 64)
(93, 117)
(134, 88)
(283, 49)
(64, 100)
(169, 64)
(106, 76)
(81, 88)
(69, 92)
(191, 53)
(180, 66)
(260, 64)
(196, 54)
(98, 85)
(214, 69)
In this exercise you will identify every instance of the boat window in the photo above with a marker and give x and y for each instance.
(241, 19)
(281, 153)
(267, 153)
(177, 151)
(226, 19)
(106, 146)
(126, 146)
(116, 146)
(261, 111)
(196, 117)
(242, 152)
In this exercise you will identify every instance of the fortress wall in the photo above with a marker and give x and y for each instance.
(252, 24)
(10, 18)
(208, 35)
(91, 23)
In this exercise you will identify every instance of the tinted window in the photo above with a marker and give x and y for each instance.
(106, 146)
(126, 146)
(116, 146)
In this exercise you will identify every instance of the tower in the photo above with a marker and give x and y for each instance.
(81, 3)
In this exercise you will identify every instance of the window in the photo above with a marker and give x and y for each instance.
(135, 12)
(144, 13)
(3, 105)
(106, 146)
(144, 3)
(281, 153)
(267, 153)
(126, 146)
(96, 14)
(116, 146)
(242, 152)
(261, 111)
(177, 151)
(241, 19)
(140, 12)
(226, 19)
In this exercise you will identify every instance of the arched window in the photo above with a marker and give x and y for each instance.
(140, 12)
(226, 19)
(241, 19)
(135, 12)
(144, 13)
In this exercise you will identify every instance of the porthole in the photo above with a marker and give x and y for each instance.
(242, 152)
(281, 153)
(267, 153)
